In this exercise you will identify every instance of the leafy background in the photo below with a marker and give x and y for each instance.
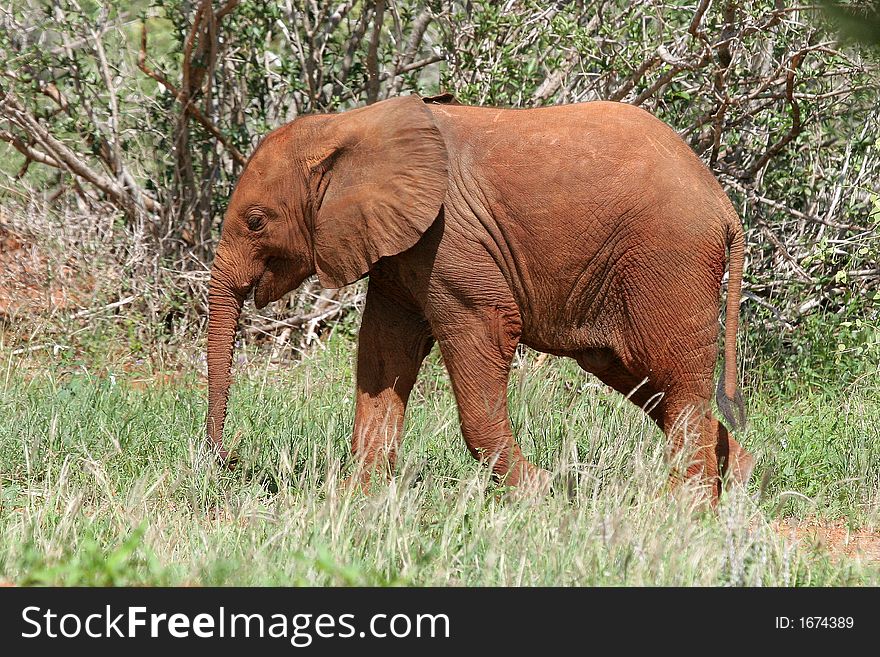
(126, 125)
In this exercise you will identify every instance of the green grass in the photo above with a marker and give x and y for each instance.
(104, 482)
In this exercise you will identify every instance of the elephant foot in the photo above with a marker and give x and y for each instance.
(367, 475)
(565, 483)
(354, 483)
(739, 463)
(528, 481)
(361, 482)
(741, 466)
(227, 459)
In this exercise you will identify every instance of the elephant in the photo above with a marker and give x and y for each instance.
(588, 230)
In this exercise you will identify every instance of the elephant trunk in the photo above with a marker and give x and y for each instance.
(224, 309)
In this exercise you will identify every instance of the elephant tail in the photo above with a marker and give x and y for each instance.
(728, 396)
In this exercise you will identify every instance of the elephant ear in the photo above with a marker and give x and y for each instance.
(377, 189)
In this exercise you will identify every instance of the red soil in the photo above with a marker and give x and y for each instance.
(32, 282)
(833, 536)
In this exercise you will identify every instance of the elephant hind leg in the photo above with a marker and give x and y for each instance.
(681, 410)
(604, 364)
(734, 460)
(692, 433)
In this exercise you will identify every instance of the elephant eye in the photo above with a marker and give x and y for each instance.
(256, 220)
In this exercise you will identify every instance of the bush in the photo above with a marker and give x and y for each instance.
(127, 124)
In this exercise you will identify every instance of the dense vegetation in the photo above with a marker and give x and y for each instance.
(123, 127)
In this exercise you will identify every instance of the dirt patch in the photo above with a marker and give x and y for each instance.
(158, 380)
(33, 282)
(833, 536)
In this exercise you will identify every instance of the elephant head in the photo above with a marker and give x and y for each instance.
(327, 194)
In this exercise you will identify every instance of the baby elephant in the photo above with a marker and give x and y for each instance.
(588, 230)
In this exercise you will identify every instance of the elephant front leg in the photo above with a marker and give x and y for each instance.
(477, 350)
(392, 344)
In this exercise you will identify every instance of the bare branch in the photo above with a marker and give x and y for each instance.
(694, 28)
(633, 79)
(372, 53)
(796, 126)
(181, 96)
(28, 151)
(59, 152)
(801, 273)
(553, 82)
(417, 35)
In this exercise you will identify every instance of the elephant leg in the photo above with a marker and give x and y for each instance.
(692, 434)
(734, 461)
(478, 351)
(680, 409)
(716, 455)
(672, 417)
(612, 372)
(392, 343)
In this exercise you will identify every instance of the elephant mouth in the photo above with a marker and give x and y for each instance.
(263, 289)
(278, 278)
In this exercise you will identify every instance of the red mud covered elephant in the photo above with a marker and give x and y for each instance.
(590, 231)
